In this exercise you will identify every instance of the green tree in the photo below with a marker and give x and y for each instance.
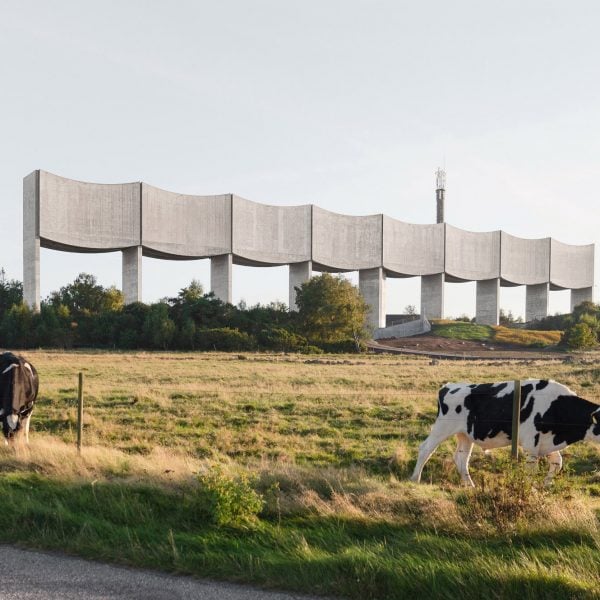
(159, 329)
(331, 309)
(85, 296)
(579, 337)
(11, 292)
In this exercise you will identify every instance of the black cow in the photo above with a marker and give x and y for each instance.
(551, 418)
(18, 391)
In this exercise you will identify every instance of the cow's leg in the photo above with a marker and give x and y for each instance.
(555, 462)
(427, 448)
(25, 426)
(461, 458)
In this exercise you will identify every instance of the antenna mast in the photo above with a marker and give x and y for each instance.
(440, 189)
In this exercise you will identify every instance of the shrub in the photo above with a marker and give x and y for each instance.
(225, 339)
(579, 337)
(343, 346)
(277, 338)
(223, 500)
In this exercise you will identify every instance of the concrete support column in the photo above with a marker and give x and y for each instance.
(582, 295)
(536, 301)
(487, 305)
(31, 241)
(299, 273)
(132, 274)
(371, 283)
(432, 296)
(221, 268)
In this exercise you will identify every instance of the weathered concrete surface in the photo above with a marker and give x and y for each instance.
(221, 269)
(416, 327)
(487, 304)
(582, 295)
(410, 249)
(536, 301)
(132, 274)
(31, 241)
(299, 273)
(432, 296)
(345, 242)
(179, 226)
(371, 283)
(81, 216)
(271, 235)
(76, 216)
(472, 256)
(31, 575)
(524, 261)
(571, 267)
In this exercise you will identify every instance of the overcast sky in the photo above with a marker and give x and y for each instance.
(350, 105)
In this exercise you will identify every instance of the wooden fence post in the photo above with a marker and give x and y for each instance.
(516, 419)
(79, 412)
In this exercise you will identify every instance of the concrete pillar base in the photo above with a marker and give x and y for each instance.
(221, 268)
(299, 273)
(536, 301)
(432, 296)
(582, 295)
(132, 274)
(31, 241)
(371, 283)
(487, 306)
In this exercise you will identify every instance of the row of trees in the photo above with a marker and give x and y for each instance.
(331, 316)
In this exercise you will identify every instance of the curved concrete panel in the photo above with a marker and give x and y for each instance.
(84, 216)
(345, 242)
(472, 256)
(270, 235)
(571, 267)
(179, 226)
(524, 261)
(410, 249)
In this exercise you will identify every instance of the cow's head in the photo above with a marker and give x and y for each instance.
(18, 391)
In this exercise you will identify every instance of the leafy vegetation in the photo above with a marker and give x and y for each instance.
(275, 470)
(85, 314)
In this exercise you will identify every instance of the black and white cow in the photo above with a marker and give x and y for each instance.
(552, 417)
(18, 392)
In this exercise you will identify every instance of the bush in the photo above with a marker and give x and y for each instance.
(225, 339)
(282, 340)
(223, 500)
(579, 337)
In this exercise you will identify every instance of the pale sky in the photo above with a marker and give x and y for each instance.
(350, 105)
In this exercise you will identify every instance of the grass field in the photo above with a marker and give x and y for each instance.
(498, 334)
(275, 469)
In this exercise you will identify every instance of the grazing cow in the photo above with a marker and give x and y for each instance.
(18, 392)
(552, 417)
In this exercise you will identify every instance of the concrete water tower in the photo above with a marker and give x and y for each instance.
(440, 189)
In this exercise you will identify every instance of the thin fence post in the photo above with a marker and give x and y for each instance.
(515, 419)
(79, 412)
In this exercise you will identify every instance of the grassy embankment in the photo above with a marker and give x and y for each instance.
(495, 334)
(313, 438)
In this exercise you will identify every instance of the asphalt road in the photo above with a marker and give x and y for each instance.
(30, 575)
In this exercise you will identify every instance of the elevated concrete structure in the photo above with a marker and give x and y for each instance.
(432, 296)
(537, 298)
(371, 283)
(142, 220)
(299, 273)
(487, 304)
